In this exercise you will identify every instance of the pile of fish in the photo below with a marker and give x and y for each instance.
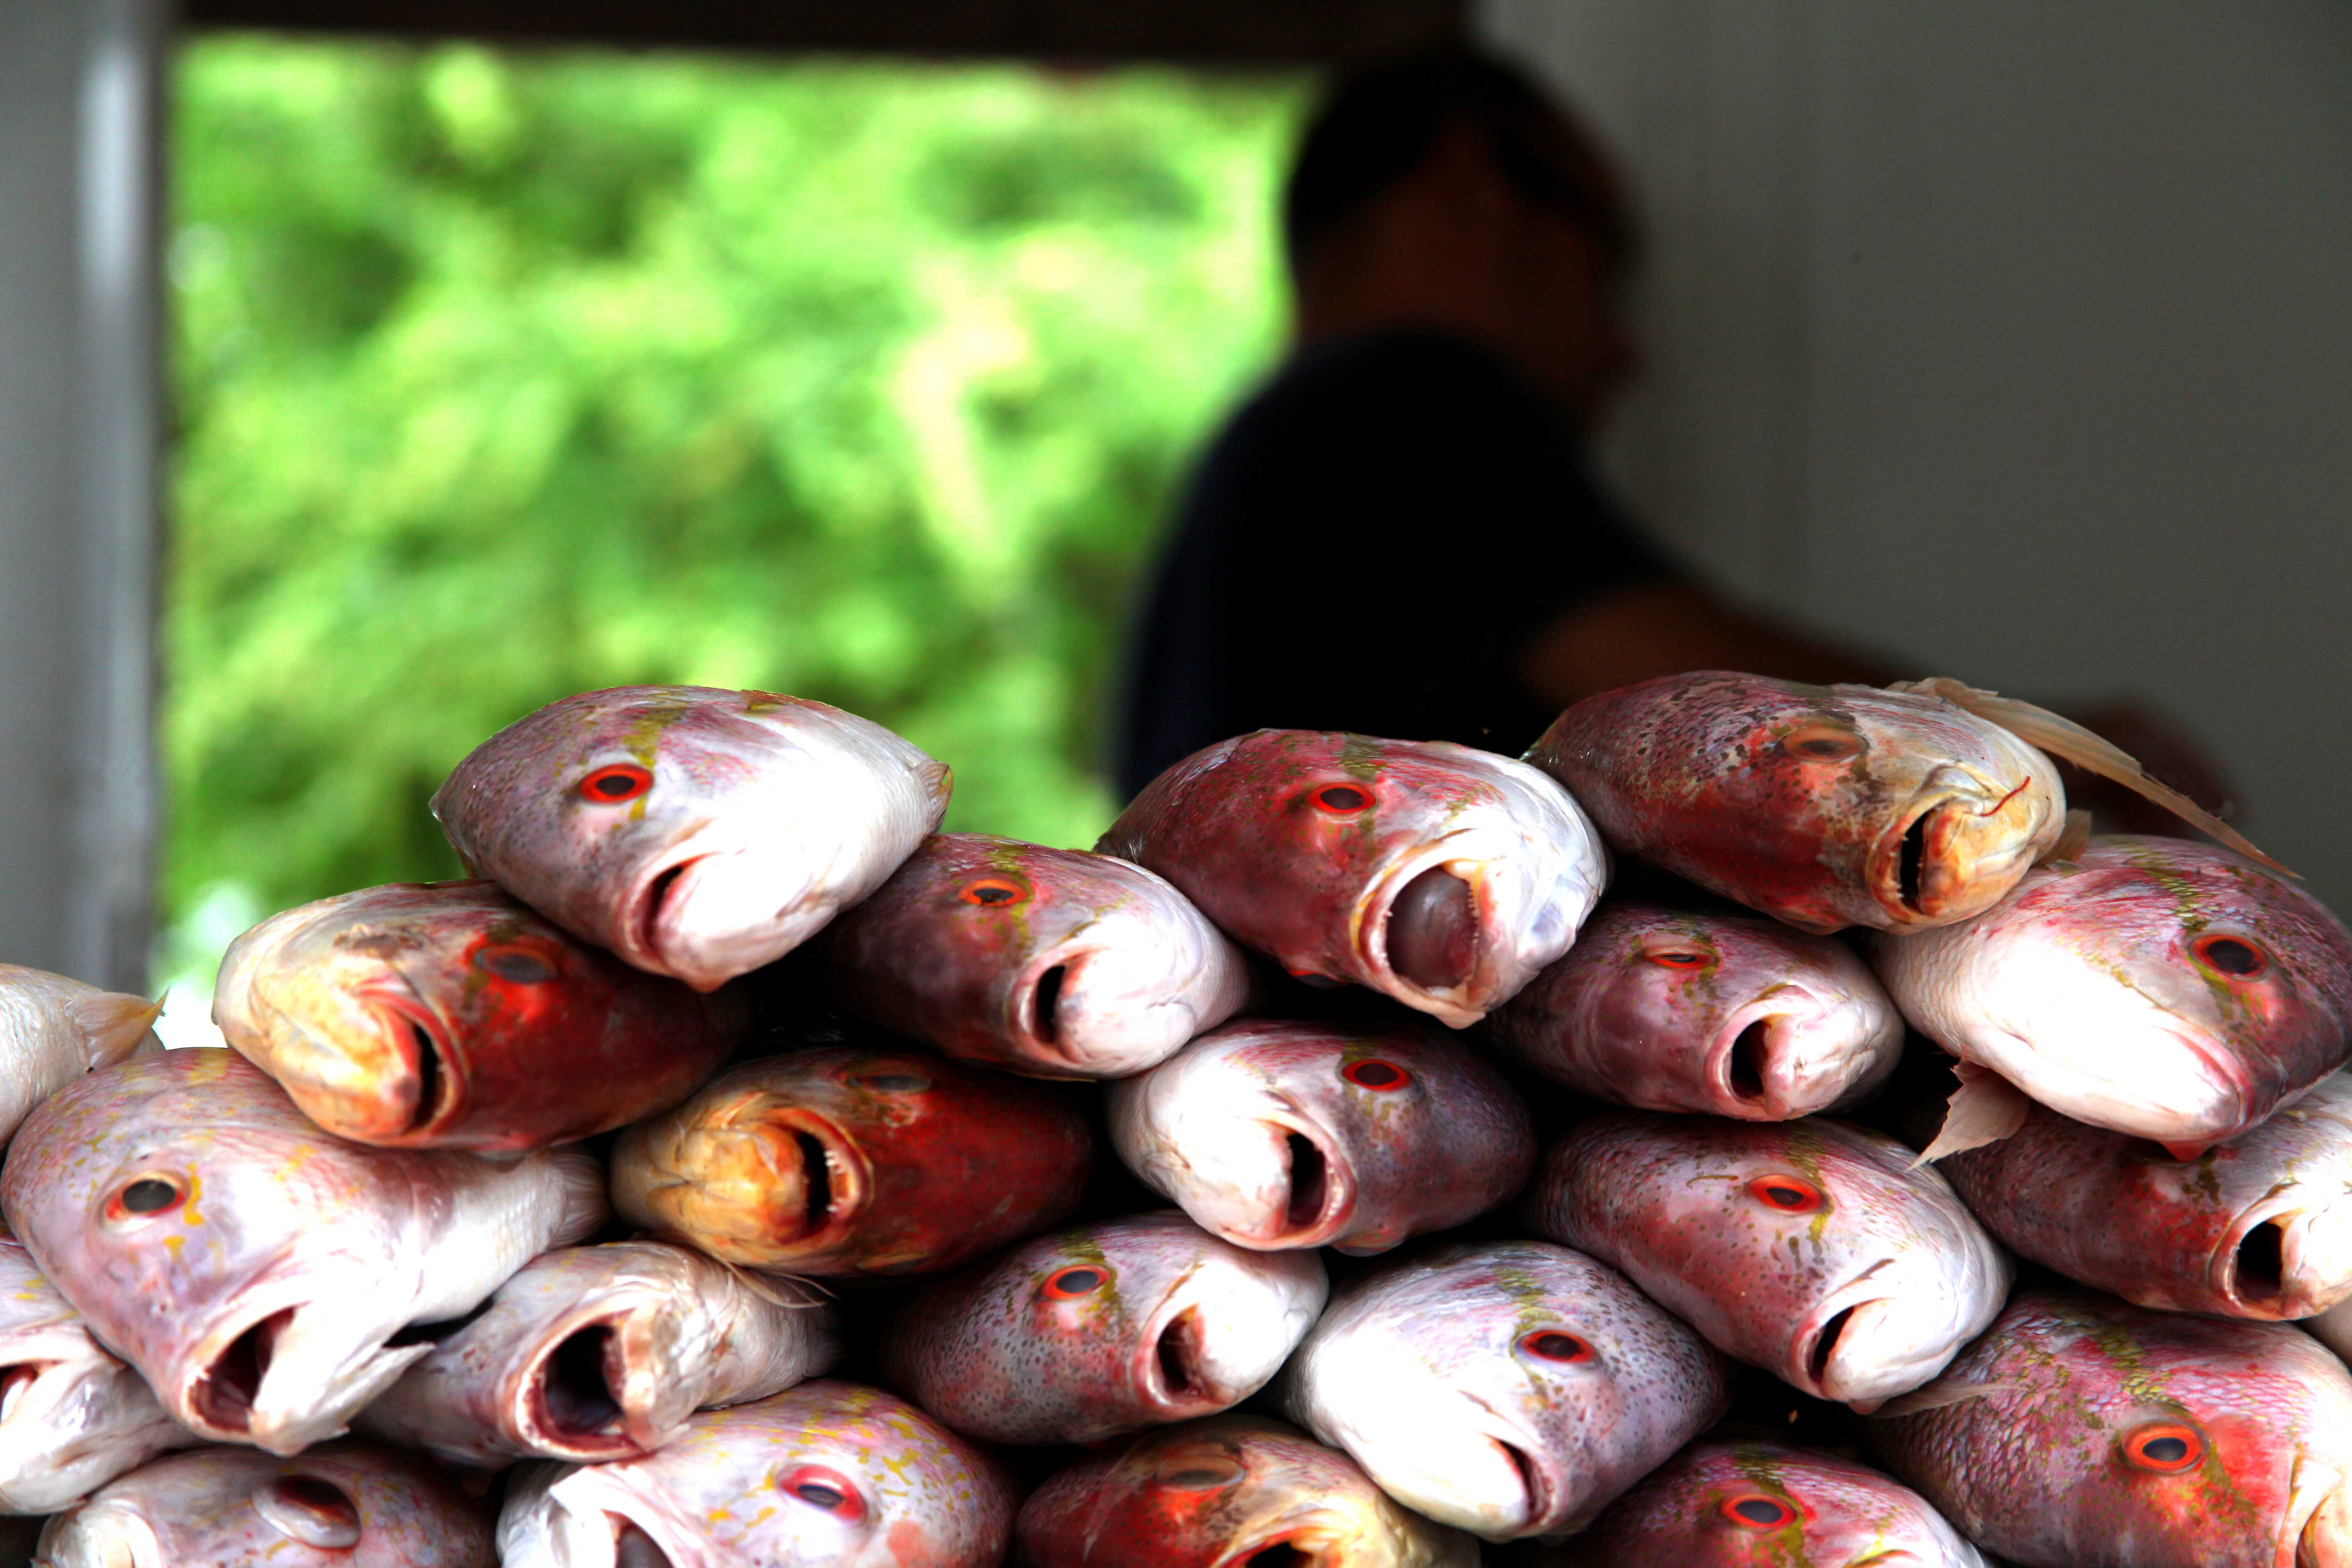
(1373, 1154)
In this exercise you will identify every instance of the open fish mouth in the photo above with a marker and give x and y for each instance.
(1293, 1548)
(1823, 1346)
(1171, 1363)
(1042, 1008)
(581, 1396)
(219, 1397)
(426, 1096)
(1318, 1195)
(1429, 927)
(822, 1185)
(2319, 1517)
(20, 1386)
(1538, 1494)
(1746, 1065)
(2272, 1263)
(234, 1387)
(655, 911)
(1951, 853)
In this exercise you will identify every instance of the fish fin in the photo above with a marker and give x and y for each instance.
(1985, 1109)
(2072, 841)
(793, 1292)
(938, 781)
(1939, 1396)
(117, 1023)
(2070, 742)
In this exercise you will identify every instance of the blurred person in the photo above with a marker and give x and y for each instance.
(1401, 534)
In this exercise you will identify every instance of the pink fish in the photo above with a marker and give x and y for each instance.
(1102, 1329)
(53, 1030)
(695, 832)
(1440, 876)
(1283, 1134)
(1667, 1010)
(1054, 963)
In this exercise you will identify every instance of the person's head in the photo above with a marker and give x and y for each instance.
(1449, 191)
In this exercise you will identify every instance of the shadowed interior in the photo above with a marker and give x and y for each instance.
(429, 1077)
(1281, 1554)
(1524, 1468)
(435, 1333)
(633, 1548)
(1911, 866)
(816, 1183)
(14, 1380)
(1176, 1350)
(1308, 1181)
(1433, 931)
(311, 1510)
(649, 913)
(1817, 1363)
(1045, 1005)
(2261, 1271)
(578, 1391)
(1746, 1065)
(223, 1395)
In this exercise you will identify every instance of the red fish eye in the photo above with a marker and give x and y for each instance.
(1200, 1475)
(2230, 956)
(822, 1488)
(1679, 958)
(1789, 1194)
(1754, 1510)
(1341, 800)
(1819, 742)
(147, 1196)
(1375, 1074)
(1069, 1284)
(617, 784)
(1551, 1344)
(994, 892)
(2166, 1448)
(519, 965)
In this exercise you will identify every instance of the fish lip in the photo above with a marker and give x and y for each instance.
(649, 899)
(1884, 872)
(1020, 1007)
(2226, 1072)
(1340, 1186)
(1175, 1310)
(1784, 1000)
(1856, 1293)
(404, 1011)
(2298, 1296)
(203, 1360)
(1367, 925)
(1885, 867)
(523, 1390)
(2325, 1522)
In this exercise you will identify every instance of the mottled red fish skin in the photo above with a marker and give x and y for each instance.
(1118, 1509)
(967, 1162)
(2036, 1464)
(1237, 830)
(542, 1038)
(2122, 1215)
(1688, 771)
(1836, 1513)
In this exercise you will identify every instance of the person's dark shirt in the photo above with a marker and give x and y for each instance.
(1369, 545)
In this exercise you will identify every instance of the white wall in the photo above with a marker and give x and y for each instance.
(2014, 338)
(77, 441)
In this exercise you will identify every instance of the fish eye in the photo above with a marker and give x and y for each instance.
(994, 892)
(147, 1197)
(310, 1510)
(1341, 800)
(2231, 955)
(1822, 742)
(615, 785)
(518, 965)
(2167, 1448)
(1375, 1074)
(890, 1080)
(826, 1489)
(1679, 957)
(1551, 1344)
(1789, 1194)
(1754, 1510)
(1208, 1474)
(1079, 1279)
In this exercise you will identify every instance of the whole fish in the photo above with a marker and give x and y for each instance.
(253, 1267)
(695, 832)
(1812, 1249)
(1738, 1504)
(346, 1505)
(1222, 1493)
(71, 1416)
(2260, 1227)
(2159, 988)
(446, 1015)
(854, 1160)
(53, 1030)
(2083, 1433)
(1438, 875)
(1052, 962)
(1512, 1389)
(600, 1352)
(1284, 1134)
(1665, 1009)
(826, 1475)
(1102, 1329)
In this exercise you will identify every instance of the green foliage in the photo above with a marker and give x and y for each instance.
(506, 375)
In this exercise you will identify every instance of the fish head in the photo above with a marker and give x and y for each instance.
(1226, 1490)
(1509, 1390)
(825, 1473)
(777, 1164)
(1823, 805)
(234, 1254)
(2212, 989)
(1787, 1023)
(643, 818)
(1439, 874)
(2078, 1421)
(342, 1505)
(371, 1009)
(1054, 963)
